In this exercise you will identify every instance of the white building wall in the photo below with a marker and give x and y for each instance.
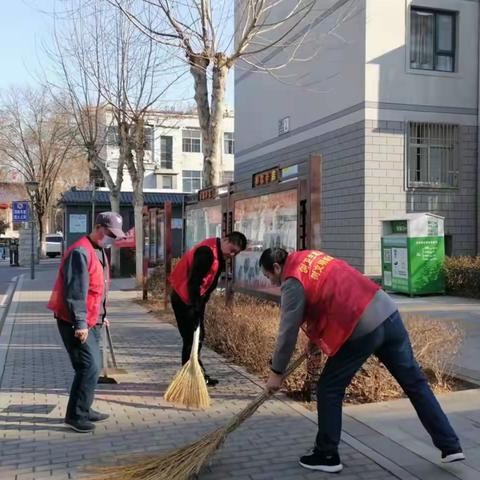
(170, 125)
(388, 76)
(306, 92)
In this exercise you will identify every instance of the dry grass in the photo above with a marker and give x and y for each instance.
(246, 334)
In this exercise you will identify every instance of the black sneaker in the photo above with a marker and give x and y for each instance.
(95, 416)
(211, 382)
(322, 462)
(81, 427)
(449, 456)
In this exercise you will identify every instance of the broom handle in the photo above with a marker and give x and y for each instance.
(253, 406)
(195, 344)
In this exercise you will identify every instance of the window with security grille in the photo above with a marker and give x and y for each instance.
(432, 155)
(166, 152)
(432, 39)
(148, 138)
(228, 143)
(112, 136)
(192, 180)
(191, 141)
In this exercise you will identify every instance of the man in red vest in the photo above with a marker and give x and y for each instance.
(349, 318)
(194, 278)
(79, 302)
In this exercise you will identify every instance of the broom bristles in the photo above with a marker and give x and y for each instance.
(188, 387)
(186, 462)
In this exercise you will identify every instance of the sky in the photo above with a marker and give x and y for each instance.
(24, 27)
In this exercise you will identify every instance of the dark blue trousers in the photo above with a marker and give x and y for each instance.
(86, 361)
(391, 344)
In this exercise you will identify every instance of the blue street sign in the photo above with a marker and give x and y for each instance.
(21, 212)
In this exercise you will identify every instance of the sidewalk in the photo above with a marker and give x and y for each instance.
(35, 445)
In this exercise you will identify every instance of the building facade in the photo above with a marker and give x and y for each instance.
(173, 157)
(389, 103)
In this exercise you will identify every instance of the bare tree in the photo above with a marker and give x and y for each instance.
(198, 30)
(79, 60)
(128, 74)
(36, 139)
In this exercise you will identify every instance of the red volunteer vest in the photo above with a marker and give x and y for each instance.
(336, 296)
(95, 289)
(179, 277)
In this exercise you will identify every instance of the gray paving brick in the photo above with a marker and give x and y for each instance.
(38, 373)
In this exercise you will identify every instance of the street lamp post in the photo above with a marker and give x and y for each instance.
(32, 188)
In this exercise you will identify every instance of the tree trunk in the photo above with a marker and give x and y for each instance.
(198, 69)
(213, 158)
(138, 215)
(115, 252)
(132, 137)
(138, 199)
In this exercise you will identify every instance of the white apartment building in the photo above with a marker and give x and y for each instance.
(173, 157)
(390, 103)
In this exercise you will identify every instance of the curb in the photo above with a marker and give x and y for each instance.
(7, 298)
(6, 325)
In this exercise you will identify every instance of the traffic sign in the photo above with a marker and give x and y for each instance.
(21, 212)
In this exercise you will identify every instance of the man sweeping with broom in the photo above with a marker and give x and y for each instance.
(193, 280)
(349, 318)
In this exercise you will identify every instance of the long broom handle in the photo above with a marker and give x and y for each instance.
(195, 344)
(110, 344)
(104, 354)
(253, 406)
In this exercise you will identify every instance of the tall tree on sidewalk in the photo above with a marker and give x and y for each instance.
(129, 75)
(205, 36)
(78, 59)
(36, 138)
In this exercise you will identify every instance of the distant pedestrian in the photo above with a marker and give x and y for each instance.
(79, 304)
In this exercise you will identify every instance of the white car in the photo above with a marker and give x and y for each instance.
(53, 244)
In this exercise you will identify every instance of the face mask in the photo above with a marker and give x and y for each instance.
(106, 242)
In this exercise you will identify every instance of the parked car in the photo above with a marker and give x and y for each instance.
(53, 244)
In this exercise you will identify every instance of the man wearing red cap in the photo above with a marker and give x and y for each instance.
(79, 304)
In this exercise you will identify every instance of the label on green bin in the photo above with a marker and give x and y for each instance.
(426, 264)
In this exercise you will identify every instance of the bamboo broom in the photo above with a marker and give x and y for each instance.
(189, 388)
(186, 462)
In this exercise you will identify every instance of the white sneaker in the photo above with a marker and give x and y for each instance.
(452, 456)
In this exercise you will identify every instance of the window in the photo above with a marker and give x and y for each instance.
(432, 40)
(166, 152)
(191, 141)
(227, 177)
(228, 143)
(432, 155)
(112, 137)
(148, 138)
(192, 180)
(167, 181)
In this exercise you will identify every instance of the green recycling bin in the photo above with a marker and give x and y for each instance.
(413, 253)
